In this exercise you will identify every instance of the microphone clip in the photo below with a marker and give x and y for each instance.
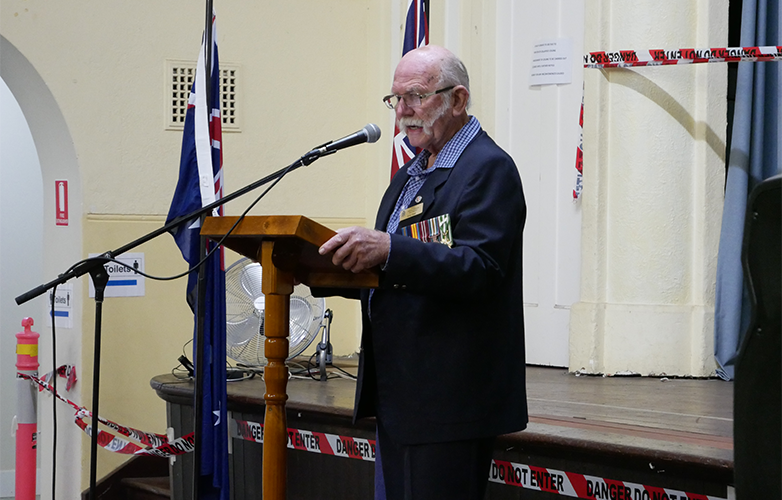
(316, 153)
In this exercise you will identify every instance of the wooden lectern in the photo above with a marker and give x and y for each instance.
(286, 246)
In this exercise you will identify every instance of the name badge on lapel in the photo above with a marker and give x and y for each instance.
(411, 212)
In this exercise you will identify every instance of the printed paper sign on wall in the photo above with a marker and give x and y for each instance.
(124, 281)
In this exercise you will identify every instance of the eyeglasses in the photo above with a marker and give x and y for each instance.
(412, 100)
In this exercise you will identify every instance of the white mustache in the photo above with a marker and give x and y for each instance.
(406, 122)
(410, 122)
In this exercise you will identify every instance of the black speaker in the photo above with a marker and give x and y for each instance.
(757, 398)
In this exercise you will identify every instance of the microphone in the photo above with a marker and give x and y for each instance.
(370, 133)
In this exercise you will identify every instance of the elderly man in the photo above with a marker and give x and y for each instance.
(442, 353)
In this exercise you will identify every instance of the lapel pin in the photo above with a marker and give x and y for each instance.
(418, 199)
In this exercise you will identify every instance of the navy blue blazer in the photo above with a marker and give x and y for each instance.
(442, 356)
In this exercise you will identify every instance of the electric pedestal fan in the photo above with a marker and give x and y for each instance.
(245, 309)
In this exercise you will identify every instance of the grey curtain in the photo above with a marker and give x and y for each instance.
(754, 155)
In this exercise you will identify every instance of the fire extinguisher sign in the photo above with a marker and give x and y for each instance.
(61, 202)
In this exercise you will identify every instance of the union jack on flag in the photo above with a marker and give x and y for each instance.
(416, 35)
(200, 184)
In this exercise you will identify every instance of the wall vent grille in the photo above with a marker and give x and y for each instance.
(180, 81)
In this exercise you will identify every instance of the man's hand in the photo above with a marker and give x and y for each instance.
(358, 248)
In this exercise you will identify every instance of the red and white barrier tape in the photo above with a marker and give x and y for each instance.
(574, 485)
(68, 372)
(314, 442)
(662, 57)
(503, 472)
(580, 152)
(107, 440)
(158, 444)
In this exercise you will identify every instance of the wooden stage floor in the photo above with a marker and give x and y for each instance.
(649, 434)
(684, 419)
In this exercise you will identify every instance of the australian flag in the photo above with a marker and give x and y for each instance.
(200, 184)
(416, 35)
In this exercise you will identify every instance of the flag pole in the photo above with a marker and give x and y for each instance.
(426, 11)
(208, 51)
(198, 395)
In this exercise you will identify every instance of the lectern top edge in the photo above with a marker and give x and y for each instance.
(268, 226)
(295, 240)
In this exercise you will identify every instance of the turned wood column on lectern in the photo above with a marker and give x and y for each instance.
(287, 249)
(277, 286)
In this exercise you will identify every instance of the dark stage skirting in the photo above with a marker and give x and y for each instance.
(589, 437)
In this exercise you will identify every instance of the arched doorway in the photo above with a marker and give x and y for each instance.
(57, 248)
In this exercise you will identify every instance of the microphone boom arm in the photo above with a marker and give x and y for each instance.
(89, 264)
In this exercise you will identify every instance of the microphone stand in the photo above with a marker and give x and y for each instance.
(100, 277)
(324, 350)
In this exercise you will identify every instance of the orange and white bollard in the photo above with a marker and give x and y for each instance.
(26, 417)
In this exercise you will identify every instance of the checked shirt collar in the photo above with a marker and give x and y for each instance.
(418, 171)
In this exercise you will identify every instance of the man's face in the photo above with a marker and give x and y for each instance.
(425, 125)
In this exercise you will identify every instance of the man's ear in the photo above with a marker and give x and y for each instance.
(459, 98)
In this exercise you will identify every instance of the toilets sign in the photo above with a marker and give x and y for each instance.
(63, 306)
(124, 281)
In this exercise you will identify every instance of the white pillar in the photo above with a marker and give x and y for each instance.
(654, 144)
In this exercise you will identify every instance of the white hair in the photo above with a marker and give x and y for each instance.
(453, 72)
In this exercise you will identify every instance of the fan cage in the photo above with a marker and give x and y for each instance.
(245, 306)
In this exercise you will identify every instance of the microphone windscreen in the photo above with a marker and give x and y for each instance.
(373, 132)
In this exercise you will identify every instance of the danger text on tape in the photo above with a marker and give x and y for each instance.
(574, 485)
(661, 57)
